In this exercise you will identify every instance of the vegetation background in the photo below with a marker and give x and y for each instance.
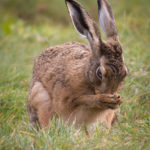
(28, 27)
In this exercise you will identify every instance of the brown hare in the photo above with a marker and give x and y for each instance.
(76, 82)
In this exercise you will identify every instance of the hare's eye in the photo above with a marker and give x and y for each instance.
(99, 73)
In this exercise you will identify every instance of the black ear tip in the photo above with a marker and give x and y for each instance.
(99, 3)
(68, 0)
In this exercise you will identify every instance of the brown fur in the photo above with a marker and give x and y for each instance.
(65, 83)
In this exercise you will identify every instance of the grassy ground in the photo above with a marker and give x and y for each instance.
(20, 43)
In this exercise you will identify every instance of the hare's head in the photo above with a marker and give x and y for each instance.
(109, 69)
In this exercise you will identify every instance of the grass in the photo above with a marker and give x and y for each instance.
(20, 43)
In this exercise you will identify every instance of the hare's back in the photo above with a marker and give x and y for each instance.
(59, 59)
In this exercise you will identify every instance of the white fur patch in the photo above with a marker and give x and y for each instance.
(38, 94)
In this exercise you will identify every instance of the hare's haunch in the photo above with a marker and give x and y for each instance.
(76, 82)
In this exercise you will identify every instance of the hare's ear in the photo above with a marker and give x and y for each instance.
(86, 27)
(106, 19)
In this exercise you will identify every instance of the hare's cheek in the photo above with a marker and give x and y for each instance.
(103, 87)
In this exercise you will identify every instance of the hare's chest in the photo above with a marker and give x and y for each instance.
(84, 116)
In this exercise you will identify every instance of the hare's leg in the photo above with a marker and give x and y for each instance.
(101, 101)
(39, 105)
(106, 103)
(108, 117)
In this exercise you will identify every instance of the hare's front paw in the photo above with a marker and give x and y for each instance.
(110, 101)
